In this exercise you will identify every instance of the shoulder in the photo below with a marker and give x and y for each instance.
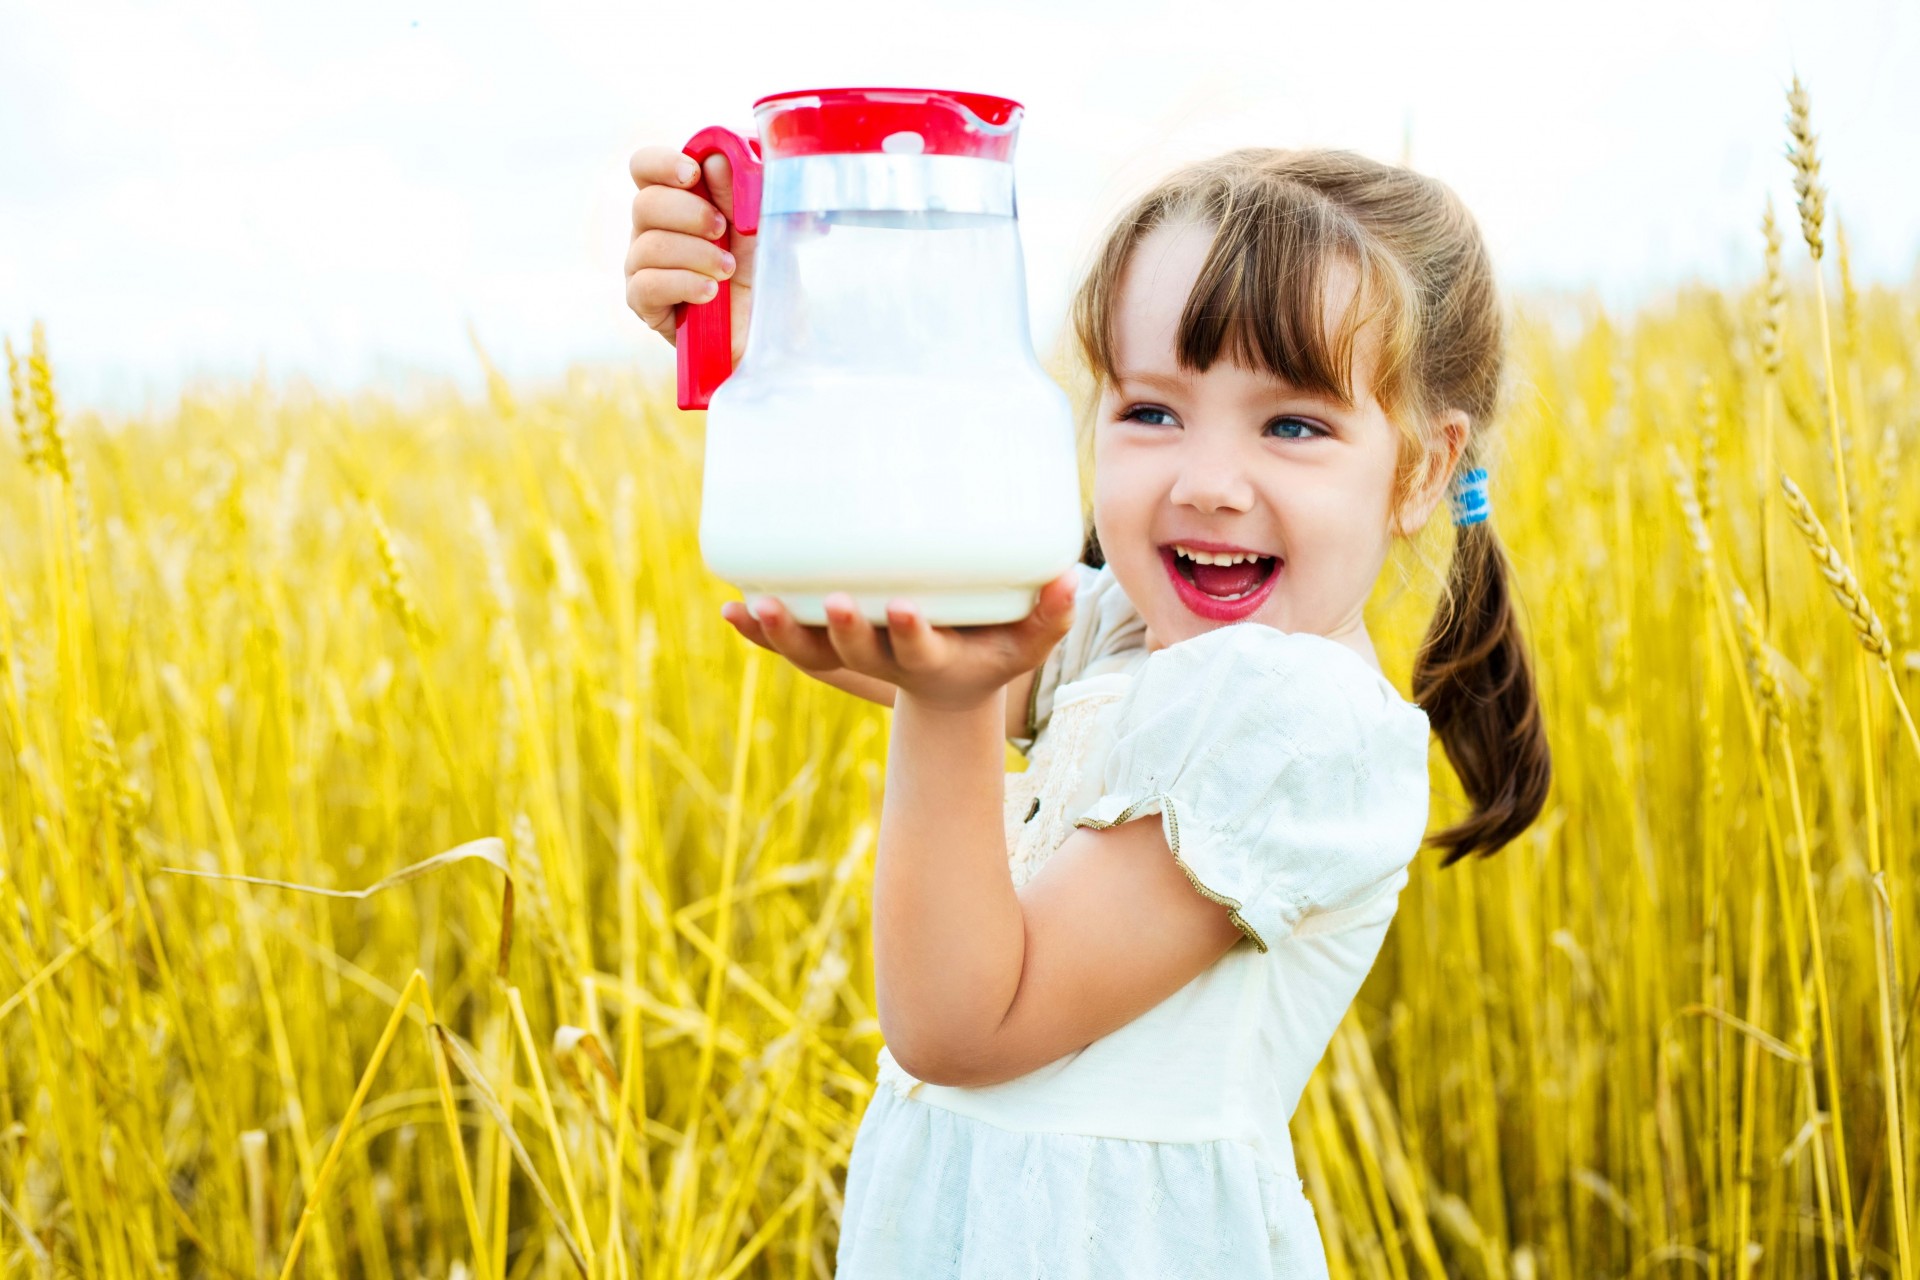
(1294, 778)
(1275, 735)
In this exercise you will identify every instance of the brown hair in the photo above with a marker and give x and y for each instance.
(1281, 221)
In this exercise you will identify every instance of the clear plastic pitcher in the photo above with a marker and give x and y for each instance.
(888, 431)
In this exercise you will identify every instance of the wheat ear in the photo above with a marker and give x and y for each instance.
(1760, 667)
(53, 439)
(1804, 154)
(1846, 589)
(1773, 317)
(29, 438)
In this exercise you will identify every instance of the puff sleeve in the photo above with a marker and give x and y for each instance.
(1289, 775)
(1105, 626)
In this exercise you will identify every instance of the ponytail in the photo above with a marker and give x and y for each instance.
(1474, 680)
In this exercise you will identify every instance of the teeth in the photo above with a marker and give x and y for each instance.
(1216, 557)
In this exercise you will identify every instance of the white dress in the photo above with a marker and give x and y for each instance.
(1291, 780)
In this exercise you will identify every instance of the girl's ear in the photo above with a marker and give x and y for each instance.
(1451, 430)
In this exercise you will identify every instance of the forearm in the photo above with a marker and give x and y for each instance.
(948, 932)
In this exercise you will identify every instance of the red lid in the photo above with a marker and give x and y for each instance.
(812, 122)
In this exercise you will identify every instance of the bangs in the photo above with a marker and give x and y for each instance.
(1265, 293)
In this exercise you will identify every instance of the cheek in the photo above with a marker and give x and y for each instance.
(1352, 491)
(1121, 495)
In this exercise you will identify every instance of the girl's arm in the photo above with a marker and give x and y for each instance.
(978, 982)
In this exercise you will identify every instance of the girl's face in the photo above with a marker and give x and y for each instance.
(1240, 461)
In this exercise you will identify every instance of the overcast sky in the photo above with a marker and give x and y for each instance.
(203, 189)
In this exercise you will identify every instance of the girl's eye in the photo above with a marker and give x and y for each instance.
(1310, 425)
(1133, 413)
(1301, 428)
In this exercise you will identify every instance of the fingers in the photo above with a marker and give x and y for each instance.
(805, 647)
(856, 640)
(665, 267)
(746, 624)
(950, 660)
(682, 243)
(655, 166)
(719, 173)
(657, 247)
(654, 293)
(671, 209)
(916, 645)
(665, 166)
(664, 250)
(671, 258)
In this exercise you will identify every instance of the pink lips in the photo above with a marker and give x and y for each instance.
(1209, 607)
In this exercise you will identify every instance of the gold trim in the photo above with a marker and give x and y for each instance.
(1171, 825)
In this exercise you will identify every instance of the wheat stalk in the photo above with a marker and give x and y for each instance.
(1873, 639)
(1708, 474)
(23, 419)
(1891, 569)
(1846, 588)
(1690, 509)
(1804, 156)
(1849, 296)
(53, 438)
(1818, 997)
(1760, 663)
(1773, 316)
(1772, 325)
(1803, 151)
(395, 586)
(1899, 582)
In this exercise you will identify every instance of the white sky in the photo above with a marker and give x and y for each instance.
(205, 188)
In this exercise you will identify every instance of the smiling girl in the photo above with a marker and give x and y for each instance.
(1104, 981)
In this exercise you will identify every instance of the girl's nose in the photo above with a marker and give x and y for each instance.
(1211, 479)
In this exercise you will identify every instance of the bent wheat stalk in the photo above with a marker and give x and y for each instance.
(1852, 598)
(1771, 714)
(1873, 639)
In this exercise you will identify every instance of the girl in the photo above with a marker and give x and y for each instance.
(1098, 1025)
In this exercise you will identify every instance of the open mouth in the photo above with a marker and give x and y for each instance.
(1226, 581)
(1215, 589)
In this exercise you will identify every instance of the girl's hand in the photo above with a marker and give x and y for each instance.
(779, 620)
(950, 667)
(672, 258)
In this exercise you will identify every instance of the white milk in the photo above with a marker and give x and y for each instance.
(946, 492)
(888, 431)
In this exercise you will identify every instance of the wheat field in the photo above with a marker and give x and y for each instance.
(405, 872)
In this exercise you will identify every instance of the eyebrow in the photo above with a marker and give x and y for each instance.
(1152, 379)
(1170, 383)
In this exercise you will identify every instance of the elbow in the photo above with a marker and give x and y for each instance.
(922, 1062)
(941, 1064)
(953, 1067)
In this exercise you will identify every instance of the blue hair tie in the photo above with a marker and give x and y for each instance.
(1468, 497)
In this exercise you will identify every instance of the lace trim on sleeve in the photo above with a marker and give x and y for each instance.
(1170, 823)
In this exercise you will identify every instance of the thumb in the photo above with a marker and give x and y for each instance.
(1053, 610)
(719, 175)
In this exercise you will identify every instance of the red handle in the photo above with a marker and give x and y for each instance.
(703, 331)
